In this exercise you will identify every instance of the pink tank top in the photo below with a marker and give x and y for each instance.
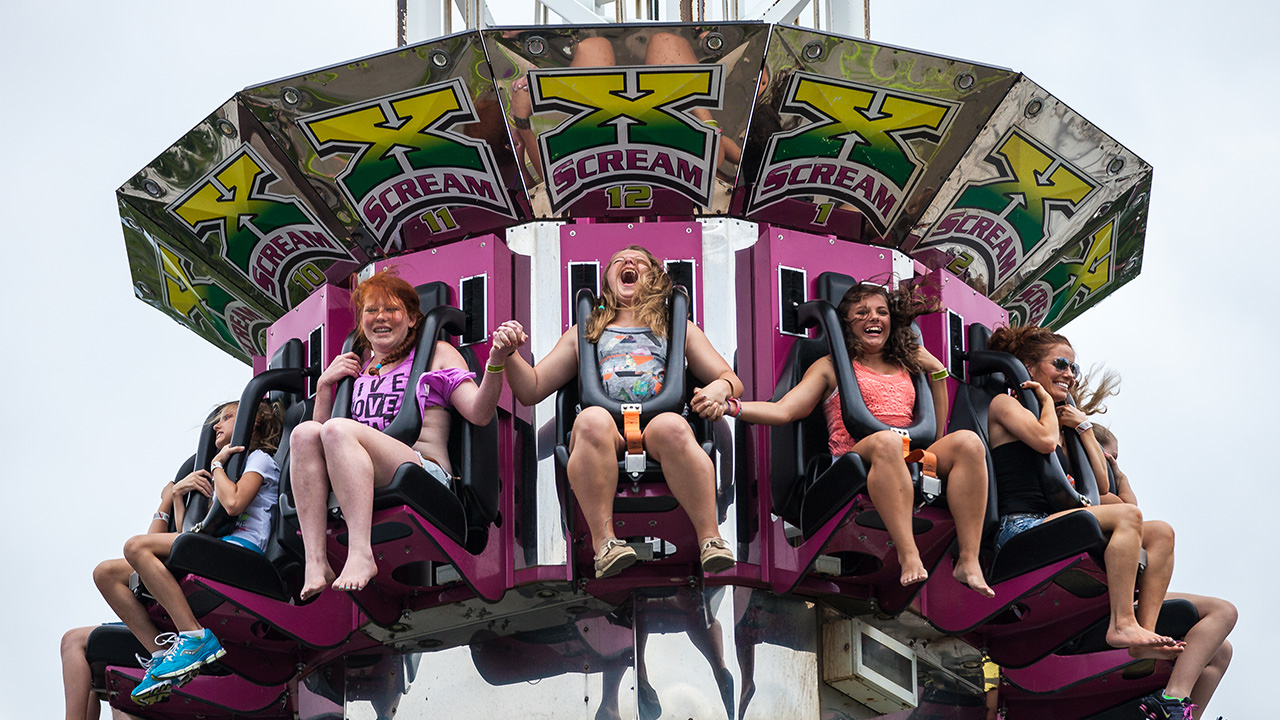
(890, 398)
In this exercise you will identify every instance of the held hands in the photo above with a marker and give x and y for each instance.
(200, 481)
(507, 338)
(711, 401)
(345, 365)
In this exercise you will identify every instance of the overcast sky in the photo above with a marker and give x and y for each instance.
(105, 394)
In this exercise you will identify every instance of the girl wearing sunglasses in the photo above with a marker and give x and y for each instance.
(1018, 440)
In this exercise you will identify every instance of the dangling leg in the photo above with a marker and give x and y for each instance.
(310, 481)
(1199, 669)
(962, 460)
(889, 485)
(77, 678)
(1123, 525)
(692, 478)
(359, 459)
(593, 475)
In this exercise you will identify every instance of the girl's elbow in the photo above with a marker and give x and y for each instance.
(1044, 446)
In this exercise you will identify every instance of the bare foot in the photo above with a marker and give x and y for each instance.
(971, 577)
(356, 574)
(912, 571)
(315, 581)
(1160, 652)
(1135, 636)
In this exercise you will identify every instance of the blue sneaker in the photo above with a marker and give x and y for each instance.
(188, 656)
(150, 690)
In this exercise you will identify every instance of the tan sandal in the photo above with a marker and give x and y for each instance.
(614, 557)
(716, 556)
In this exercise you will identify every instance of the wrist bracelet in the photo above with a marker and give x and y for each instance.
(735, 407)
(489, 367)
(161, 516)
(942, 374)
(1083, 426)
(521, 123)
(215, 465)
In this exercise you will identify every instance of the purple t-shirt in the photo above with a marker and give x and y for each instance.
(375, 399)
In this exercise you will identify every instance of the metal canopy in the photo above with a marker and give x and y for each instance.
(298, 182)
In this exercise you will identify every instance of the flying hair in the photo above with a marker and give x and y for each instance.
(905, 305)
(1091, 399)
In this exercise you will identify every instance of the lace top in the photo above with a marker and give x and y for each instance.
(890, 398)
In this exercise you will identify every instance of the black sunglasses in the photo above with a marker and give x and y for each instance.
(1061, 363)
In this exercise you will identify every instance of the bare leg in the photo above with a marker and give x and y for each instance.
(593, 470)
(669, 49)
(1199, 669)
(593, 52)
(1157, 540)
(112, 579)
(77, 679)
(147, 553)
(889, 485)
(689, 472)
(310, 479)
(962, 461)
(359, 459)
(1123, 524)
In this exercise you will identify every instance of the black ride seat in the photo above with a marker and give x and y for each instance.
(1049, 581)
(644, 505)
(438, 525)
(825, 497)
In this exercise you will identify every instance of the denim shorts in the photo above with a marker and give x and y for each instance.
(1014, 523)
(435, 470)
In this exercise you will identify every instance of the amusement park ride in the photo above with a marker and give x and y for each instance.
(770, 166)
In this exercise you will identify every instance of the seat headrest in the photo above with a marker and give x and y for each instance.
(672, 395)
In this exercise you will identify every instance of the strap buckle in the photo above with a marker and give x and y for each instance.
(636, 459)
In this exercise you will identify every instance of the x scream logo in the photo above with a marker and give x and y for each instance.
(404, 158)
(628, 124)
(853, 146)
(1004, 220)
(272, 239)
(207, 306)
(1068, 286)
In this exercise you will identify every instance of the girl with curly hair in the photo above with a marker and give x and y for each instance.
(885, 352)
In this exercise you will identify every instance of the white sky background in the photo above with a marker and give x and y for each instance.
(105, 394)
